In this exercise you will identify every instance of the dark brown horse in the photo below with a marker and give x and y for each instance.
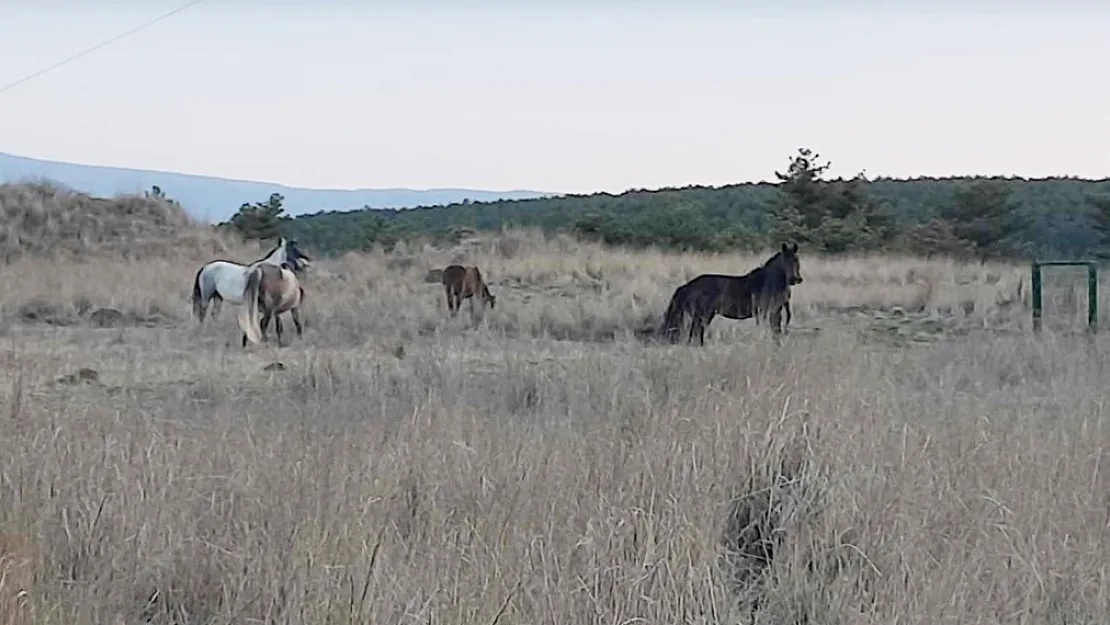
(763, 292)
(272, 290)
(461, 283)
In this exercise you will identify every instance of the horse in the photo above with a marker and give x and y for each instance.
(460, 283)
(271, 289)
(223, 280)
(763, 292)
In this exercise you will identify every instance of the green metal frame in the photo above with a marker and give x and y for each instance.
(1092, 290)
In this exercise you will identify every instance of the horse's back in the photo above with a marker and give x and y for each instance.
(708, 280)
(726, 295)
(711, 284)
(225, 278)
(453, 275)
(465, 279)
(278, 285)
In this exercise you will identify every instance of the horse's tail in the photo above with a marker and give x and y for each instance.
(672, 318)
(248, 312)
(198, 295)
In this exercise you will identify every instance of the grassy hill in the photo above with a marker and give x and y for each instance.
(47, 221)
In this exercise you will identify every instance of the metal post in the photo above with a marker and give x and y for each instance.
(1092, 296)
(1036, 288)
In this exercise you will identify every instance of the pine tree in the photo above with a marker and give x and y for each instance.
(800, 194)
(1098, 213)
(260, 221)
(835, 216)
(983, 214)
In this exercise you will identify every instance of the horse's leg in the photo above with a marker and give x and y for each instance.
(786, 321)
(217, 302)
(759, 308)
(776, 321)
(697, 327)
(264, 325)
(704, 325)
(202, 307)
(277, 327)
(297, 320)
(695, 323)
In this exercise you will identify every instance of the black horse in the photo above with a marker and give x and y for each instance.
(763, 292)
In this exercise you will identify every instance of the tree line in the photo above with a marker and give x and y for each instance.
(972, 217)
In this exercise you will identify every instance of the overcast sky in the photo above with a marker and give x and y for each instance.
(570, 100)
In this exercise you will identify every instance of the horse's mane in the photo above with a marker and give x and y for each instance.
(772, 259)
(275, 248)
(762, 268)
(767, 271)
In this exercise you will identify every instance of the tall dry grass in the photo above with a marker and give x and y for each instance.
(540, 465)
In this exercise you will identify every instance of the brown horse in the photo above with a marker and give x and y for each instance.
(763, 292)
(461, 283)
(273, 290)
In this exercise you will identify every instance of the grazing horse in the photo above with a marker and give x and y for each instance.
(763, 292)
(465, 282)
(271, 289)
(222, 280)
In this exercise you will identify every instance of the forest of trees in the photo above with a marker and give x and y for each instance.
(973, 217)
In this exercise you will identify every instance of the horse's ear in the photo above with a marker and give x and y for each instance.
(795, 248)
(785, 249)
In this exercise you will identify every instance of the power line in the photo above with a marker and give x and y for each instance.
(99, 45)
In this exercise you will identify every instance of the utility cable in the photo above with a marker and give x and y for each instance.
(99, 46)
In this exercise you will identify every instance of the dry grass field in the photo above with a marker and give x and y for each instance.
(910, 454)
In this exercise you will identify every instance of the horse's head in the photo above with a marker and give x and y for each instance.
(293, 255)
(788, 258)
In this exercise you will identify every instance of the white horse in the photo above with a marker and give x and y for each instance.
(222, 280)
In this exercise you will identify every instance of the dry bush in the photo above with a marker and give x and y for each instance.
(402, 467)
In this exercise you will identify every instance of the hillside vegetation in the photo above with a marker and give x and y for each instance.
(1054, 217)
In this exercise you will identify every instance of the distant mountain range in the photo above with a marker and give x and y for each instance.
(216, 199)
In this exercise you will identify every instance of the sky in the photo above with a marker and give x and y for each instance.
(576, 99)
